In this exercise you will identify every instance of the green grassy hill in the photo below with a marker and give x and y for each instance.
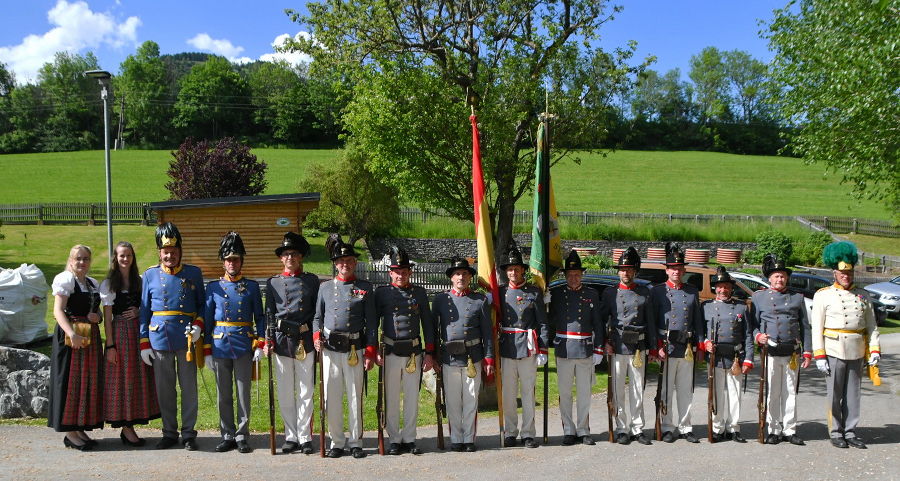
(623, 181)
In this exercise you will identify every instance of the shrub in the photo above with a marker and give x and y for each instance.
(226, 168)
(596, 262)
(808, 251)
(770, 242)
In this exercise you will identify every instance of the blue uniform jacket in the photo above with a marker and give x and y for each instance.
(170, 301)
(233, 309)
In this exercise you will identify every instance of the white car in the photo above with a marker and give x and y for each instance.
(756, 283)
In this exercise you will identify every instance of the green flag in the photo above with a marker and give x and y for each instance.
(546, 251)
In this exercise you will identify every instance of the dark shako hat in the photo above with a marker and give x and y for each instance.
(771, 264)
(167, 235)
(721, 275)
(399, 258)
(573, 262)
(337, 248)
(293, 241)
(231, 246)
(512, 256)
(629, 258)
(674, 255)
(460, 263)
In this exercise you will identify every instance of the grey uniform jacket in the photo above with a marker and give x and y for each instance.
(728, 323)
(403, 313)
(677, 310)
(628, 309)
(523, 310)
(782, 316)
(467, 318)
(347, 307)
(293, 298)
(576, 311)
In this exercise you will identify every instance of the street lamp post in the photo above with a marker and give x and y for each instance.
(103, 78)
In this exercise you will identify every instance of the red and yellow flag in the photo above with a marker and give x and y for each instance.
(487, 274)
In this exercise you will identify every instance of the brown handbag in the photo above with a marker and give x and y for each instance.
(83, 329)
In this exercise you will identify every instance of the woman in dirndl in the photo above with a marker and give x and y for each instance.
(76, 376)
(129, 397)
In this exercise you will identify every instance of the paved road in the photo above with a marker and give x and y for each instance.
(29, 452)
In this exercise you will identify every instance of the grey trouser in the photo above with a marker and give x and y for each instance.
(579, 372)
(229, 372)
(164, 369)
(630, 421)
(843, 395)
(397, 380)
(516, 373)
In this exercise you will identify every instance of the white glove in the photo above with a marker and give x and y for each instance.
(874, 358)
(598, 358)
(257, 354)
(822, 365)
(541, 359)
(547, 297)
(147, 356)
(208, 361)
(193, 331)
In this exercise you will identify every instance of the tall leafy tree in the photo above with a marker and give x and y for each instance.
(419, 67)
(837, 64)
(76, 119)
(143, 87)
(711, 84)
(214, 101)
(7, 84)
(749, 84)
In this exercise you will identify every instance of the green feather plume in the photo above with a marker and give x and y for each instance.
(839, 251)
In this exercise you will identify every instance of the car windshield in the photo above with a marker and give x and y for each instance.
(896, 280)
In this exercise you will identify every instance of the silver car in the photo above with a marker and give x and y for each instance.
(887, 295)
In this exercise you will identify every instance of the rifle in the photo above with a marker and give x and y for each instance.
(610, 397)
(270, 341)
(321, 361)
(546, 397)
(660, 402)
(440, 408)
(761, 402)
(379, 403)
(711, 386)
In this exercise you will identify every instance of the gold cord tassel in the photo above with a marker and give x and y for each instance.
(735, 367)
(638, 359)
(301, 352)
(689, 352)
(411, 365)
(354, 359)
(470, 369)
(793, 363)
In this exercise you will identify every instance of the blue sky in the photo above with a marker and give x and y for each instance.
(31, 31)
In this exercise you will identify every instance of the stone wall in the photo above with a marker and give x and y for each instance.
(438, 250)
(24, 383)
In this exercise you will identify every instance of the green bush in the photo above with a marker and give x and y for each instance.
(808, 251)
(596, 262)
(770, 242)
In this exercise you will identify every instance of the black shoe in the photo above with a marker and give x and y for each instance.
(458, 447)
(226, 445)
(393, 449)
(530, 443)
(773, 439)
(689, 437)
(568, 440)
(410, 448)
(795, 440)
(623, 439)
(856, 443)
(717, 437)
(166, 443)
(509, 441)
(289, 447)
(334, 453)
(839, 443)
(736, 437)
(357, 452)
(190, 444)
(135, 444)
(81, 447)
(470, 448)
(643, 439)
(90, 442)
(306, 448)
(669, 437)
(244, 447)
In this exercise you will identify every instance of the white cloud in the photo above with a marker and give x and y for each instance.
(76, 28)
(221, 47)
(292, 58)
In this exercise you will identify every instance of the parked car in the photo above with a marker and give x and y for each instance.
(886, 296)
(807, 284)
(698, 275)
(597, 281)
(757, 283)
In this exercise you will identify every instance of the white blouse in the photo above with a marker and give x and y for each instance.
(64, 284)
(107, 296)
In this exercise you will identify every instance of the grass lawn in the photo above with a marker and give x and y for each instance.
(870, 243)
(659, 182)
(890, 326)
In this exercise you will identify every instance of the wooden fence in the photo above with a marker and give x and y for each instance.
(77, 213)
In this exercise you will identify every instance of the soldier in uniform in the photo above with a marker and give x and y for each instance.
(678, 317)
(578, 343)
(729, 332)
(233, 309)
(779, 320)
(172, 300)
(345, 311)
(405, 316)
(523, 346)
(464, 322)
(290, 305)
(627, 316)
(843, 322)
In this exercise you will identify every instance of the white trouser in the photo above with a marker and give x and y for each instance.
(678, 376)
(782, 411)
(295, 394)
(629, 421)
(396, 379)
(515, 373)
(341, 377)
(461, 395)
(728, 402)
(581, 373)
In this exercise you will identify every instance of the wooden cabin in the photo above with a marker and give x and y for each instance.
(260, 220)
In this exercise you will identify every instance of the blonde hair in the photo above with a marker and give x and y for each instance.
(73, 253)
